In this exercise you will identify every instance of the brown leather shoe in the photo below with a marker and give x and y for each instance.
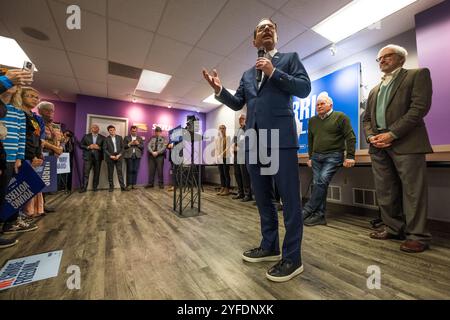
(384, 235)
(225, 192)
(413, 246)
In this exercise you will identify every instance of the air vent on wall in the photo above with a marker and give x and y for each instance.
(123, 70)
(365, 198)
(333, 193)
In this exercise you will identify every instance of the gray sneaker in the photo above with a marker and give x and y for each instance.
(315, 220)
(18, 226)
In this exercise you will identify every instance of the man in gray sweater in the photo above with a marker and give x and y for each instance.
(329, 134)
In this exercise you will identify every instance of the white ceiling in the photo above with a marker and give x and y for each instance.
(177, 37)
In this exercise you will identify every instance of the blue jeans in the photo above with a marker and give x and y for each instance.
(324, 166)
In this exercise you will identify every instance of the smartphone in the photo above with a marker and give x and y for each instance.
(28, 66)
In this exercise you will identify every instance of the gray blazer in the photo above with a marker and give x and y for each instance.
(408, 104)
(157, 144)
(128, 150)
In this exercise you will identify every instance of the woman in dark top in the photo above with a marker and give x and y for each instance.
(33, 149)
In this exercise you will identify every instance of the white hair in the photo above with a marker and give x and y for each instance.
(402, 52)
(45, 105)
(326, 97)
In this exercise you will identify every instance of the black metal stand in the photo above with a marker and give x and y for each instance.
(188, 183)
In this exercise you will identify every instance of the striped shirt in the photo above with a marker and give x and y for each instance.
(14, 143)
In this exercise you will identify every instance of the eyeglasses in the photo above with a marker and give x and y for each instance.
(388, 55)
(262, 27)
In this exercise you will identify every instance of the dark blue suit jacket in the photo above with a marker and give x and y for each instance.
(270, 107)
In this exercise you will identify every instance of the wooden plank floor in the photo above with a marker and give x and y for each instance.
(132, 246)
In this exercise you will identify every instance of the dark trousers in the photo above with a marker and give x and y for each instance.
(132, 170)
(5, 178)
(402, 193)
(242, 178)
(156, 165)
(88, 165)
(287, 181)
(224, 170)
(324, 166)
(119, 165)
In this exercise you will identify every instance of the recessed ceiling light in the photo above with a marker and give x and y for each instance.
(170, 107)
(152, 81)
(212, 98)
(356, 16)
(11, 54)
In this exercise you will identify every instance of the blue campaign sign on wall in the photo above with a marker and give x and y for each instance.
(343, 86)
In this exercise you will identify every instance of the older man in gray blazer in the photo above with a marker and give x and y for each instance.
(133, 147)
(394, 127)
(157, 150)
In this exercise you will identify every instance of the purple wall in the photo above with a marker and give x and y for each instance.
(136, 113)
(433, 47)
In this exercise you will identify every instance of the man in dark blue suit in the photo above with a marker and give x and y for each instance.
(269, 109)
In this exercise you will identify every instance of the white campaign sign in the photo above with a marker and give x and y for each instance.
(30, 269)
(63, 164)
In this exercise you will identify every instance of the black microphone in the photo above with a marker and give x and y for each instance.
(261, 53)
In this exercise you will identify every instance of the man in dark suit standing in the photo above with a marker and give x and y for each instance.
(113, 148)
(269, 109)
(134, 145)
(395, 129)
(92, 146)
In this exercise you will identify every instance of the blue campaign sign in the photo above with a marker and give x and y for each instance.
(48, 173)
(343, 86)
(22, 187)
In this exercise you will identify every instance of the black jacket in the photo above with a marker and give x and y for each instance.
(108, 147)
(87, 141)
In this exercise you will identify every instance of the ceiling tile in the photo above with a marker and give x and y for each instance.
(198, 59)
(90, 40)
(246, 52)
(178, 87)
(187, 20)
(87, 68)
(58, 64)
(54, 82)
(311, 12)
(287, 28)
(3, 31)
(144, 14)
(28, 17)
(196, 96)
(92, 88)
(238, 19)
(96, 6)
(166, 55)
(276, 4)
(305, 44)
(125, 49)
(120, 85)
(230, 72)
